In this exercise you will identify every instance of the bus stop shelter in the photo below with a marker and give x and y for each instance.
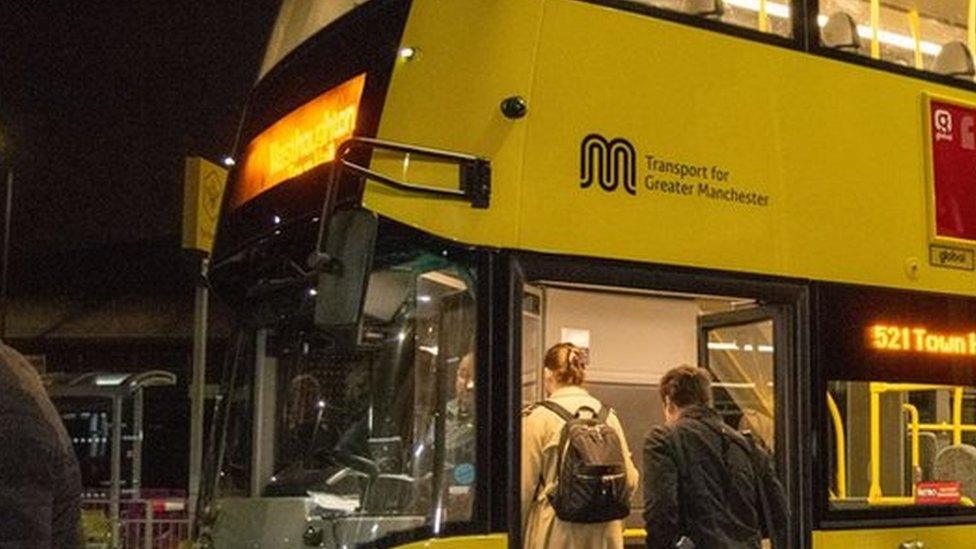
(120, 389)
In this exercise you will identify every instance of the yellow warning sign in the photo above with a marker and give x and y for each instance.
(203, 190)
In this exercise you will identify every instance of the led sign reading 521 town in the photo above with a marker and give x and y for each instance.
(917, 339)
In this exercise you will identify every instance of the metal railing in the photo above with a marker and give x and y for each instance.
(875, 496)
(142, 524)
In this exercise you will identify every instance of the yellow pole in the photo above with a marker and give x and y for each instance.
(946, 427)
(874, 492)
(916, 457)
(840, 437)
(763, 17)
(875, 26)
(971, 26)
(882, 387)
(957, 416)
(915, 25)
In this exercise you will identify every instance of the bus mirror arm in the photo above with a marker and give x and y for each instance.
(319, 261)
(474, 185)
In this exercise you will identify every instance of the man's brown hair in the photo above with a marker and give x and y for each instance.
(686, 386)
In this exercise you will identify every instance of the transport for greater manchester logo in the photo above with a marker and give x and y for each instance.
(613, 163)
(609, 163)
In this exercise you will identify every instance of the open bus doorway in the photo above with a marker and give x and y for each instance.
(632, 337)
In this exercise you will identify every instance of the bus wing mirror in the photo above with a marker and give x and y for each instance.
(343, 272)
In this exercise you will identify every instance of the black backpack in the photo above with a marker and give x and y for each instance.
(773, 507)
(591, 475)
(772, 496)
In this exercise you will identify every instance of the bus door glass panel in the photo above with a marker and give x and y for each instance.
(739, 349)
(532, 335)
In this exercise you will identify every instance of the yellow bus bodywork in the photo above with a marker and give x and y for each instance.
(954, 537)
(838, 148)
(492, 541)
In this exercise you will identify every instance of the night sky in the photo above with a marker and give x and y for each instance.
(101, 100)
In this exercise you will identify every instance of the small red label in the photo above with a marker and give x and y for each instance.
(938, 493)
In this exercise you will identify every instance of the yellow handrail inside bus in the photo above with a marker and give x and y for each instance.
(957, 395)
(943, 427)
(875, 496)
(763, 17)
(635, 533)
(874, 492)
(916, 457)
(841, 446)
(971, 26)
(875, 27)
(915, 25)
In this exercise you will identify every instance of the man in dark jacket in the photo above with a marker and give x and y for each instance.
(703, 486)
(40, 483)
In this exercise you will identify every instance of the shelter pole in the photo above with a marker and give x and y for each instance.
(197, 389)
(116, 488)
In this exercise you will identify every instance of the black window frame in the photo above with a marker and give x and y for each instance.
(823, 319)
(791, 294)
(805, 37)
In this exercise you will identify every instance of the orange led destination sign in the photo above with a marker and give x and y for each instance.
(303, 139)
(917, 339)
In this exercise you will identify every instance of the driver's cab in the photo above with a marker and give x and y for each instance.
(345, 442)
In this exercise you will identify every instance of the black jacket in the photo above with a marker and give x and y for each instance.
(699, 483)
(40, 484)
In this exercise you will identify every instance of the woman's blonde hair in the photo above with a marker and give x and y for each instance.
(567, 362)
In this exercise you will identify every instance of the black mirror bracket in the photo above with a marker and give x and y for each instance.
(319, 261)
(476, 182)
(474, 186)
(475, 172)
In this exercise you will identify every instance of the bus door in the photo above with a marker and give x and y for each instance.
(746, 352)
(749, 353)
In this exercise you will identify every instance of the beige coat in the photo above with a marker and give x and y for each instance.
(540, 441)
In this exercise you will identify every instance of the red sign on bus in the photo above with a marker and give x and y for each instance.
(938, 493)
(952, 135)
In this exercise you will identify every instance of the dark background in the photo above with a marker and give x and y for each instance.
(100, 102)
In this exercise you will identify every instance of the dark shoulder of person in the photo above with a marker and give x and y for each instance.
(658, 436)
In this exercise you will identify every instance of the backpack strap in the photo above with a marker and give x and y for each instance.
(557, 409)
(756, 457)
(604, 414)
(747, 442)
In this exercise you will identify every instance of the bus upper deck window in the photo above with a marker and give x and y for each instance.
(910, 33)
(771, 16)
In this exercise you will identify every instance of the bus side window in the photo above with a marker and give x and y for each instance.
(901, 35)
(772, 17)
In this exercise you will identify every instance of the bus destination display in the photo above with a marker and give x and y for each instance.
(867, 334)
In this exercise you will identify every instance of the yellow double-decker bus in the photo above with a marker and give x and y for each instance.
(429, 193)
